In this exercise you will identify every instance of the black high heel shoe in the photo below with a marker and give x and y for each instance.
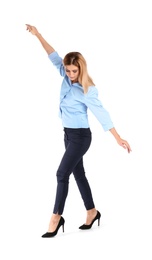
(97, 217)
(52, 234)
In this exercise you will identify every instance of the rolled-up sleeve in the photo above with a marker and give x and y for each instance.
(57, 62)
(95, 105)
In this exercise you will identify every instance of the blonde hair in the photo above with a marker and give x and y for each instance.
(76, 58)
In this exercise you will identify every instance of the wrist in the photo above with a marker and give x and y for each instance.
(38, 35)
(117, 138)
(115, 134)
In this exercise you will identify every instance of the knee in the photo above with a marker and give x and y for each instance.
(79, 176)
(62, 176)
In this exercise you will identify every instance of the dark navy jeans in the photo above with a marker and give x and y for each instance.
(77, 142)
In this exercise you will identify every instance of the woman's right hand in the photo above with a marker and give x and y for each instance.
(32, 29)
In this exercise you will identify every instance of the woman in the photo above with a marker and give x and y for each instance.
(78, 92)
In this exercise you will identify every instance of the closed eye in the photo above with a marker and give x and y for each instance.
(74, 71)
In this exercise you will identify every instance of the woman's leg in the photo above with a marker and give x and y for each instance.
(83, 185)
(76, 146)
(76, 143)
(85, 191)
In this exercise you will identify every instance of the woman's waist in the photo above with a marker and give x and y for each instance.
(77, 131)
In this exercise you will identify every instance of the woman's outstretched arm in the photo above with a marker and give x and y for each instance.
(47, 47)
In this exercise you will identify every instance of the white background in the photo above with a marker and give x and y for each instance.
(115, 37)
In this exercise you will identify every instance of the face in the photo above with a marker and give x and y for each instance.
(72, 72)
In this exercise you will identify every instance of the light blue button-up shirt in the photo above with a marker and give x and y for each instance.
(74, 103)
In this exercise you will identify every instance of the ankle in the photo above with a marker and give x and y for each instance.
(55, 217)
(91, 211)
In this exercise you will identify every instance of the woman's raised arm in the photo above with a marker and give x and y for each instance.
(47, 47)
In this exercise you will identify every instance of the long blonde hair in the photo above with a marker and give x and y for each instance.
(76, 58)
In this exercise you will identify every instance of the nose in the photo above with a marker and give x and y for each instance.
(71, 74)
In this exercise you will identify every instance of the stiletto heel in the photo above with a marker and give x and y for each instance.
(63, 228)
(52, 234)
(98, 222)
(97, 217)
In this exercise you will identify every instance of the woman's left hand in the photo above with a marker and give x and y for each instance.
(124, 144)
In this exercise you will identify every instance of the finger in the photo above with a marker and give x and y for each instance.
(129, 150)
(124, 146)
(29, 26)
